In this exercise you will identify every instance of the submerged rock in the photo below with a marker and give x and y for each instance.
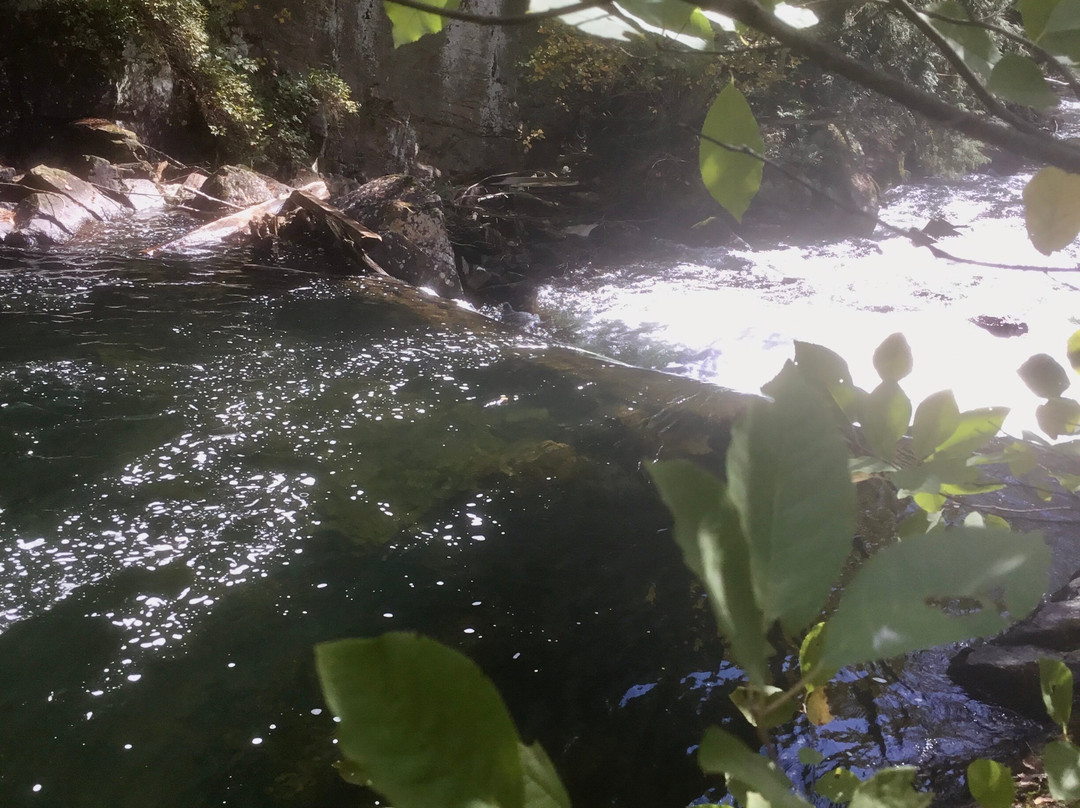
(409, 216)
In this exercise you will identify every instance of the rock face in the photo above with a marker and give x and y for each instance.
(464, 120)
(1005, 670)
(409, 216)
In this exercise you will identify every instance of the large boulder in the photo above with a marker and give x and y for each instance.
(409, 216)
(239, 187)
(55, 206)
(104, 139)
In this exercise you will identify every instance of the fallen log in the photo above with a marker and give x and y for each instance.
(236, 224)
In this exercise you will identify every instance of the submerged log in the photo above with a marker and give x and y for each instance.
(664, 415)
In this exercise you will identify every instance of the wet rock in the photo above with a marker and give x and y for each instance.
(7, 219)
(409, 216)
(47, 218)
(1001, 326)
(99, 172)
(55, 181)
(7, 173)
(1008, 675)
(1005, 670)
(54, 206)
(238, 187)
(143, 195)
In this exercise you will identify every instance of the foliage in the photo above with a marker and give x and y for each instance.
(421, 724)
(258, 114)
(991, 782)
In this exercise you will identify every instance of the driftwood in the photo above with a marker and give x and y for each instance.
(236, 224)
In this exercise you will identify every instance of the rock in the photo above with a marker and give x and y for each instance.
(409, 216)
(7, 173)
(1001, 326)
(104, 139)
(54, 180)
(238, 187)
(7, 219)
(47, 218)
(143, 195)
(1005, 670)
(99, 172)
(1008, 675)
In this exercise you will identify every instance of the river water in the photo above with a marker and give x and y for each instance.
(211, 465)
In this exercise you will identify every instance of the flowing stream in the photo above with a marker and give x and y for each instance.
(209, 466)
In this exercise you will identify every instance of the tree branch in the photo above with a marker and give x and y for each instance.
(1034, 146)
(995, 107)
(497, 19)
(1039, 53)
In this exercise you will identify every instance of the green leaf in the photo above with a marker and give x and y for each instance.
(754, 703)
(1044, 376)
(708, 532)
(1035, 14)
(1062, 763)
(980, 520)
(672, 16)
(974, 432)
(822, 366)
(892, 358)
(723, 753)
(409, 24)
(1056, 682)
(1019, 80)
(886, 416)
(1059, 416)
(422, 721)
(788, 479)
(838, 785)
(1052, 209)
(990, 783)
(1073, 349)
(934, 589)
(942, 475)
(918, 523)
(936, 418)
(972, 43)
(810, 657)
(1062, 31)
(931, 503)
(732, 178)
(891, 788)
(808, 756)
(543, 788)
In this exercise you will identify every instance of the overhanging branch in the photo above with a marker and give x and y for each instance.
(1032, 145)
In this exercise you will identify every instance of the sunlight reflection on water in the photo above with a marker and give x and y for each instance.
(729, 316)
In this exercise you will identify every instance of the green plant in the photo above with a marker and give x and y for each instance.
(768, 545)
